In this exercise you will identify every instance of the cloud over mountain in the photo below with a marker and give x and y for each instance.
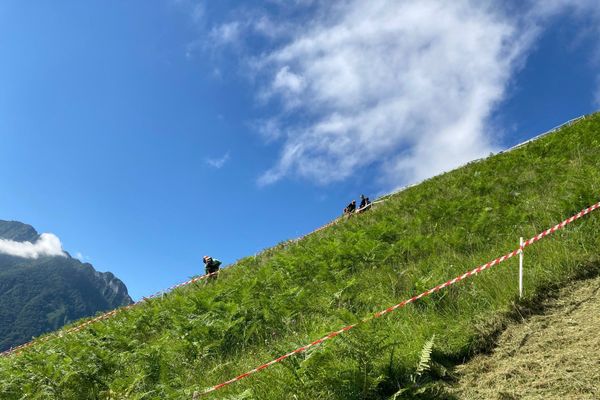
(47, 244)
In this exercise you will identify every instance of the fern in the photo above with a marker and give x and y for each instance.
(424, 363)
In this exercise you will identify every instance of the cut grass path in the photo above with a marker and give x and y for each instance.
(554, 355)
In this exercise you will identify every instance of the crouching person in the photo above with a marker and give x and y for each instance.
(350, 208)
(365, 203)
(212, 266)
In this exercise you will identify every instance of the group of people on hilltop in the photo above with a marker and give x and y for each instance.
(351, 208)
(212, 265)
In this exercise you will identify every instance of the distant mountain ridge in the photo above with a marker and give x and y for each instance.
(17, 231)
(43, 294)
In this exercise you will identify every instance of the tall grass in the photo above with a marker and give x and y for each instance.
(268, 305)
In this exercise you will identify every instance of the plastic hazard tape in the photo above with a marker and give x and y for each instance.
(561, 225)
(408, 301)
(103, 317)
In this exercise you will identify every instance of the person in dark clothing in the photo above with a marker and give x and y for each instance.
(364, 202)
(211, 265)
(350, 208)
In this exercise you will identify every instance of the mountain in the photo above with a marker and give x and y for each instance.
(41, 295)
(18, 231)
(268, 305)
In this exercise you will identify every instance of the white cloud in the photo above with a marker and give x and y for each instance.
(227, 33)
(234, 32)
(405, 86)
(82, 257)
(47, 245)
(286, 84)
(382, 85)
(267, 27)
(269, 129)
(218, 162)
(550, 8)
(286, 81)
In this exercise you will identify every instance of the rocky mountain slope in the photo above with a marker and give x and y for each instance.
(39, 295)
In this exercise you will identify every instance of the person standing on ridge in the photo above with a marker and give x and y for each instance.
(211, 265)
(364, 202)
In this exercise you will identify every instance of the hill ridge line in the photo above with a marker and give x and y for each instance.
(381, 199)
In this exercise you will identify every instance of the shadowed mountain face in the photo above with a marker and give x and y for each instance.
(18, 231)
(43, 294)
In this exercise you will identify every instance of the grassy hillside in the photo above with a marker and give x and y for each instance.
(266, 306)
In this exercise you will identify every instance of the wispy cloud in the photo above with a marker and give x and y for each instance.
(550, 8)
(269, 129)
(226, 33)
(47, 245)
(82, 257)
(218, 163)
(405, 87)
(381, 87)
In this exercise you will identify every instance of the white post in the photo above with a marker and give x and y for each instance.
(521, 269)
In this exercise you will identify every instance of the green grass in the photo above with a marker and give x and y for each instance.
(287, 297)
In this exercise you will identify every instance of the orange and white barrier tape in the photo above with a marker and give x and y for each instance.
(408, 301)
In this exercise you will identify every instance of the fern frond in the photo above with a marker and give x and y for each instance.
(425, 359)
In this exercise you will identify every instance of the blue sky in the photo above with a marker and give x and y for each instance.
(145, 134)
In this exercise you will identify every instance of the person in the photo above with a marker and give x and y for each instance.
(364, 202)
(350, 208)
(211, 265)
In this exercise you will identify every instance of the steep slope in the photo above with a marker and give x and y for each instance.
(41, 295)
(288, 296)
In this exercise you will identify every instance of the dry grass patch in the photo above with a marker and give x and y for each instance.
(555, 355)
